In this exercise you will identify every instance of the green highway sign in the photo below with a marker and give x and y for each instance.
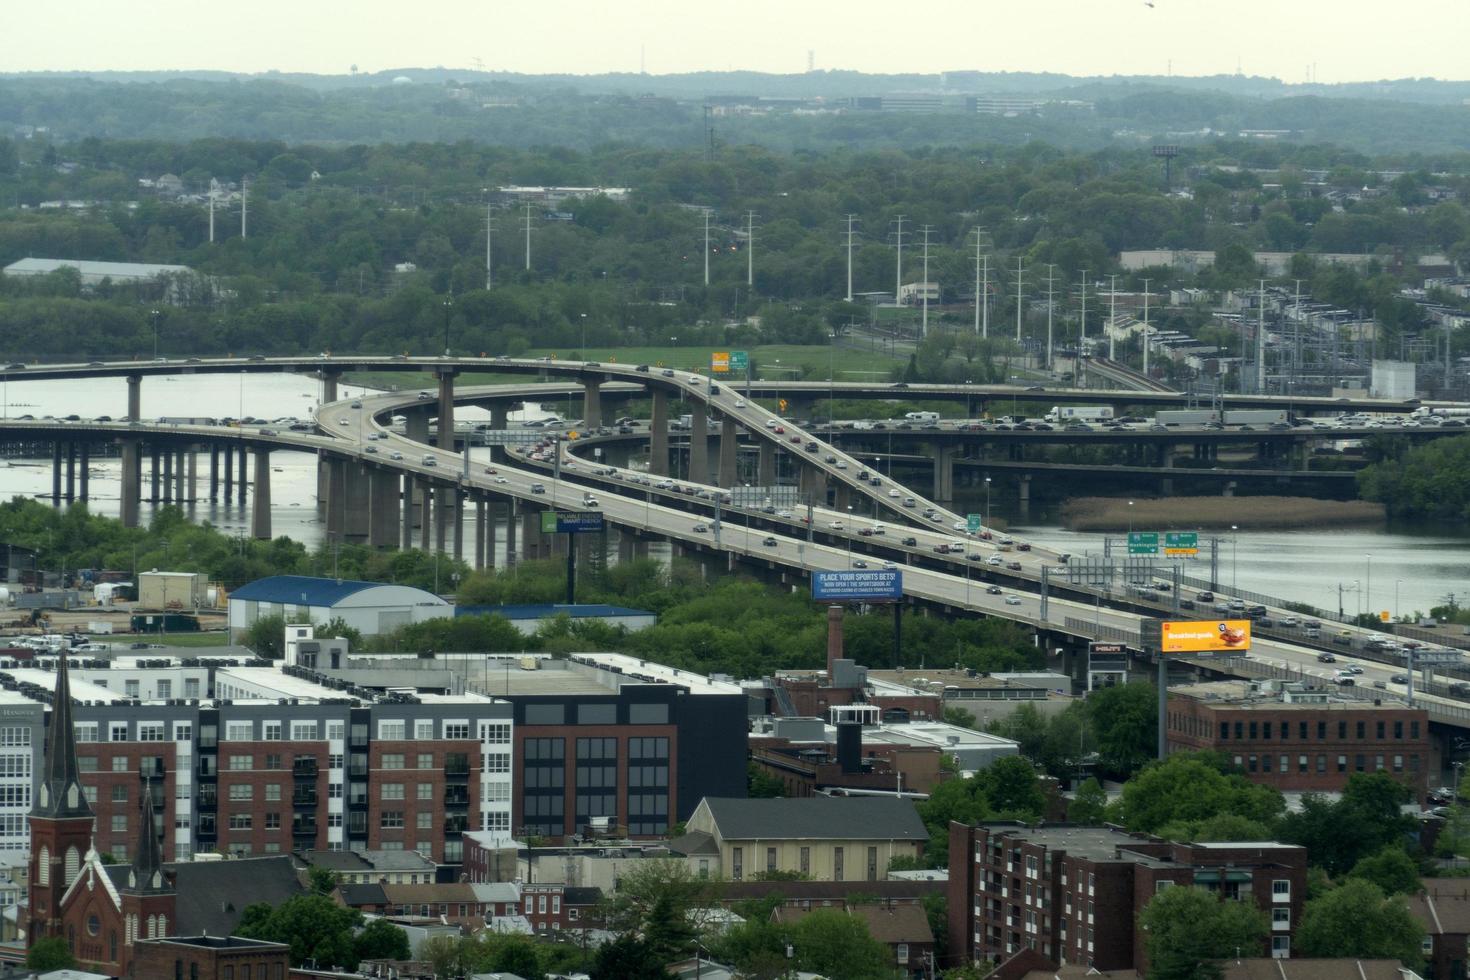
(972, 523)
(1143, 542)
(739, 360)
(1181, 543)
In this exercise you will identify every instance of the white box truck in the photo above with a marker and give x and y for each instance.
(1079, 413)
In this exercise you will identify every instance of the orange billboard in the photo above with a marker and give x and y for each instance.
(1202, 636)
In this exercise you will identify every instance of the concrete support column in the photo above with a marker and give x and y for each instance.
(192, 460)
(240, 485)
(443, 508)
(426, 513)
(841, 496)
(180, 466)
(383, 516)
(357, 521)
(499, 421)
(86, 465)
(492, 514)
(135, 398)
(512, 509)
(699, 445)
(229, 454)
(591, 404)
(131, 491)
(456, 519)
(329, 385)
(71, 472)
(729, 470)
(658, 433)
(416, 426)
(406, 531)
(625, 547)
(260, 512)
(767, 464)
(530, 534)
(479, 533)
(943, 473)
(336, 497)
(167, 489)
(446, 412)
(1025, 495)
(322, 490)
(56, 474)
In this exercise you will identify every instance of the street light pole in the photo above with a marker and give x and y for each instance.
(1368, 597)
(448, 305)
(987, 499)
(1234, 556)
(155, 315)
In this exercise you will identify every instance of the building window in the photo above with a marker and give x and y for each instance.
(425, 820)
(272, 821)
(837, 864)
(119, 763)
(392, 791)
(1280, 947)
(737, 859)
(456, 730)
(119, 794)
(271, 731)
(150, 731)
(241, 821)
(392, 731)
(425, 791)
(423, 730)
(119, 823)
(1281, 890)
(391, 820)
(1281, 918)
(494, 734)
(770, 859)
(303, 731)
(273, 760)
(872, 864)
(392, 760)
(426, 760)
(239, 731)
(239, 763)
(806, 860)
(240, 792)
(497, 762)
(273, 792)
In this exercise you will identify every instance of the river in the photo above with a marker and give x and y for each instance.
(1412, 567)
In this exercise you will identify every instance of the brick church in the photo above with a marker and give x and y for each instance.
(100, 910)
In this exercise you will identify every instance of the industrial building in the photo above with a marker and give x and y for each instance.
(371, 608)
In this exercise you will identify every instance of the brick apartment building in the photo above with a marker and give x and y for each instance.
(212, 958)
(1297, 739)
(1073, 894)
(390, 753)
(1442, 907)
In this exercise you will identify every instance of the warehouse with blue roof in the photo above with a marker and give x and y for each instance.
(370, 608)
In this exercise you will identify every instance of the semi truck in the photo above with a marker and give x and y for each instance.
(1079, 413)
(1424, 411)
(1257, 416)
(1186, 417)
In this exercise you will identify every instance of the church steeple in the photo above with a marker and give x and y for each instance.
(146, 874)
(60, 793)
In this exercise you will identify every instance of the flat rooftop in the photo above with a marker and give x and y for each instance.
(1237, 695)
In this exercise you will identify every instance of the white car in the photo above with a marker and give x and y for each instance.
(835, 525)
(770, 423)
(501, 479)
(841, 464)
(739, 403)
(995, 560)
(894, 494)
(395, 455)
(1013, 600)
(342, 422)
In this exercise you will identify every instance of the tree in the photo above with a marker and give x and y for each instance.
(667, 931)
(627, 958)
(1189, 929)
(380, 940)
(446, 955)
(835, 944)
(668, 889)
(1124, 719)
(1089, 803)
(1356, 919)
(1191, 786)
(313, 926)
(50, 953)
(323, 880)
(1338, 834)
(1391, 869)
(761, 785)
(267, 637)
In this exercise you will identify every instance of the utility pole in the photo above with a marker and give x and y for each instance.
(211, 216)
(1112, 317)
(1145, 325)
(528, 236)
(1051, 277)
(1082, 331)
(1261, 340)
(706, 246)
(898, 274)
(851, 218)
(1019, 299)
(244, 205)
(982, 286)
(924, 321)
(489, 227)
(750, 248)
(1296, 336)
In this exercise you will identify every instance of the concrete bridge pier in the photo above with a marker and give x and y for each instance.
(943, 473)
(260, 511)
(131, 489)
(456, 518)
(180, 473)
(426, 513)
(658, 435)
(71, 472)
(729, 468)
(446, 409)
(479, 532)
(405, 530)
(492, 516)
(531, 537)
(229, 454)
(135, 398)
(192, 460)
(699, 445)
(56, 474)
(1024, 484)
(591, 404)
(499, 421)
(166, 489)
(442, 508)
(842, 496)
(625, 547)
(416, 425)
(329, 385)
(240, 486)
(86, 465)
(336, 517)
(512, 511)
(322, 476)
(383, 517)
(1166, 485)
(358, 522)
(766, 464)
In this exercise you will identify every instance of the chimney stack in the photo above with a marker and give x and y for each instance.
(834, 638)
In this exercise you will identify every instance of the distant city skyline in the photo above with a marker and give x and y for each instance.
(1328, 42)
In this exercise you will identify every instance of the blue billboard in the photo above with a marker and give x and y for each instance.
(576, 522)
(858, 585)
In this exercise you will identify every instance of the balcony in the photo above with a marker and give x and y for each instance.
(304, 768)
(303, 828)
(456, 766)
(455, 824)
(357, 803)
(456, 796)
(357, 770)
(304, 798)
(207, 797)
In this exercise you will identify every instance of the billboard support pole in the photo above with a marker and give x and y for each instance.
(1163, 703)
(571, 571)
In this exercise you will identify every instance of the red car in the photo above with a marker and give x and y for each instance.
(796, 438)
(780, 430)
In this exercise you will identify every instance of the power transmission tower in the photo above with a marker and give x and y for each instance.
(926, 230)
(750, 248)
(1051, 305)
(982, 285)
(851, 218)
(1082, 329)
(1019, 298)
(898, 275)
(528, 236)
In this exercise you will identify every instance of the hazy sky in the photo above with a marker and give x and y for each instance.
(1347, 40)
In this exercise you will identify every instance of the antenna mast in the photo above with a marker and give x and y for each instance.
(850, 234)
(982, 287)
(528, 236)
(1019, 300)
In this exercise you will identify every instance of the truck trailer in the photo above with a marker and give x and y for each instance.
(1257, 416)
(1186, 417)
(1079, 413)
